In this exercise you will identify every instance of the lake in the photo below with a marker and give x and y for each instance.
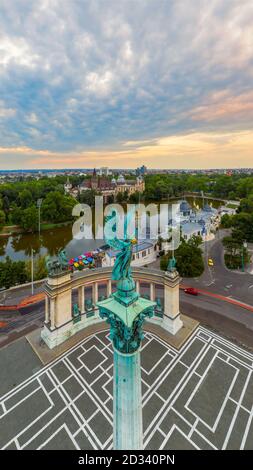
(18, 247)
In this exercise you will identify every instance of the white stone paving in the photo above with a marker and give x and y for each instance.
(198, 398)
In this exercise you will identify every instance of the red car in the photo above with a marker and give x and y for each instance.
(191, 290)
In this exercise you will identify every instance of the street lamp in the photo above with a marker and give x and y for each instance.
(39, 202)
(32, 252)
(244, 246)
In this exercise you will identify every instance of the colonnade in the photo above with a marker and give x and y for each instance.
(68, 309)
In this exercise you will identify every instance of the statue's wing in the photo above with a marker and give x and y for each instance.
(129, 225)
(129, 231)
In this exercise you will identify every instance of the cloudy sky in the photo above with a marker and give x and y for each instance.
(117, 83)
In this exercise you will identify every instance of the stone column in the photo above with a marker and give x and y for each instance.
(137, 286)
(109, 287)
(95, 298)
(152, 292)
(52, 313)
(127, 406)
(125, 312)
(81, 298)
(46, 309)
(95, 292)
(63, 298)
(171, 318)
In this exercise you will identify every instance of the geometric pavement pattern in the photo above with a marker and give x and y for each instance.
(200, 397)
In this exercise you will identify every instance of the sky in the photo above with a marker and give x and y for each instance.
(121, 83)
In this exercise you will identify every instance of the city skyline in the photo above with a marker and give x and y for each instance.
(87, 84)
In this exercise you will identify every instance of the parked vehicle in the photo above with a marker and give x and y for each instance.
(210, 262)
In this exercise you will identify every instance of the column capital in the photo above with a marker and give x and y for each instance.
(126, 340)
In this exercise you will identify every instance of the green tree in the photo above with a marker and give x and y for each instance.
(134, 198)
(57, 208)
(39, 268)
(234, 250)
(12, 273)
(16, 215)
(30, 219)
(2, 217)
(189, 261)
(246, 205)
(243, 226)
(121, 197)
(226, 221)
(25, 198)
(88, 197)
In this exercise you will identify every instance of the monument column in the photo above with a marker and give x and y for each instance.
(127, 403)
(126, 311)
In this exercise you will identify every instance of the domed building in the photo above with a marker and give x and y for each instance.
(185, 209)
(121, 179)
(207, 208)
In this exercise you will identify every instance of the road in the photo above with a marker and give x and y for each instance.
(230, 320)
(15, 295)
(220, 280)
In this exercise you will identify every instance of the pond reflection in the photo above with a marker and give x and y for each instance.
(18, 247)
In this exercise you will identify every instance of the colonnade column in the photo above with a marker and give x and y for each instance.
(81, 299)
(109, 288)
(95, 298)
(46, 310)
(52, 313)
(152, 292)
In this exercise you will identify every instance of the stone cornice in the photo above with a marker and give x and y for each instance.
(104, 274)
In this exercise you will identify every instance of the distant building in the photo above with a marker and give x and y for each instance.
(203, 222)
(130, 186)
(185, 209)
(112, 187)
(104, 171)
(141, 171)
(145, 252)
(67, 186)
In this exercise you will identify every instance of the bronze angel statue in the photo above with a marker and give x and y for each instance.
(122, 265)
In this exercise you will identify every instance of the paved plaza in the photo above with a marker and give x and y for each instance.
(200, 397)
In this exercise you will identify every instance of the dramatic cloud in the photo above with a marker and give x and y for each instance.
(87, 82)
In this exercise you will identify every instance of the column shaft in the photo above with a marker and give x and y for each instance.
(46, 310)
(81, 298)
(171, 318)
(127, 412)
(152, 291)
(95, 298)
(109, 287)
(52, 313)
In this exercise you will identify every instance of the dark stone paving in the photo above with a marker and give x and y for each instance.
(17, 362)
(198, 398)
(207, 405)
